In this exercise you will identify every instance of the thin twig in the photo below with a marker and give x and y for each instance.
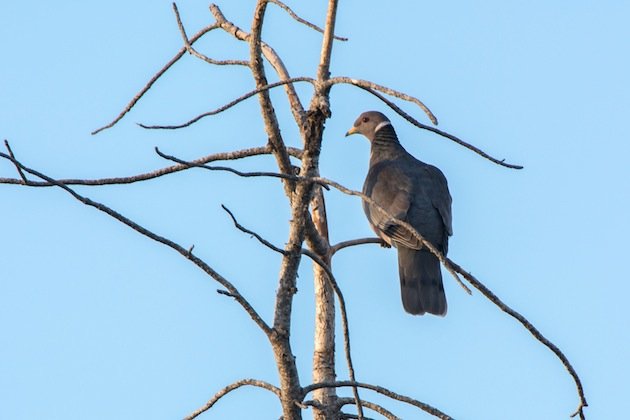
(19, 170)
(223, 392)
(237, 172)
(383, 391)
(229, 104)
(187, 253)
(251, 232)
(437, 131)
(302, 21)
(154, 79)
(196, 53)
(372, 87)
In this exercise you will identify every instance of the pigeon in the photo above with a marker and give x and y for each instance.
(416, 193)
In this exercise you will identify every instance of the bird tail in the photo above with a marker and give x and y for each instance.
(421, 285)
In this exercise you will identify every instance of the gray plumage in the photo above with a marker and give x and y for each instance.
(416, 193)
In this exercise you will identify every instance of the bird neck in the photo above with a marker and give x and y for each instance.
(385, 145)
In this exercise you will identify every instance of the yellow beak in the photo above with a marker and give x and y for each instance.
(353, 130)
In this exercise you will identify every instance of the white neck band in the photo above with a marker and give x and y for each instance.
(381, 125)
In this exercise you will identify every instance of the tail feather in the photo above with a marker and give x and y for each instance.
(421, 285)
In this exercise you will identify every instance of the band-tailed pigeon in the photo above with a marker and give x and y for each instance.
(416, 193)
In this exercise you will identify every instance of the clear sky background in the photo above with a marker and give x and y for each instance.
(99, 322)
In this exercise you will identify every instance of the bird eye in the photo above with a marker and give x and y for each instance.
(365, 119)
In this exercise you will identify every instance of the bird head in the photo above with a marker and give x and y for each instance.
(368, 124)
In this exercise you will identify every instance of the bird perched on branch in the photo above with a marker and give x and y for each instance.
(413, 192)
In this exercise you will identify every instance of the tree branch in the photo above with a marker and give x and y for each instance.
(383, 391)
(439, 132)
(238, 154)
(323, 71)
(302, 21)
(154, 79)
(354, 242)
(226, 390)
(529, 327)
(149, 234)
(229, 104)
(251, 232)
(371, 87)
(289, 177)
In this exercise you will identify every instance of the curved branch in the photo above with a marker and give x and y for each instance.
(354, 242)
(289, 177)
(186, 253)
(229, 104)
(439, 132)
(196, 53)
(529, 327)
(383, 391)
(371, 87)
(505, 308)
(223, 392)
(302, 21)
(154, 79)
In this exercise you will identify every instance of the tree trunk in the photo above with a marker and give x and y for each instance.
(324, 349)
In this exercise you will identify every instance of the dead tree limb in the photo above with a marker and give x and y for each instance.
(226, 390)
(155, 78)
(234, 155)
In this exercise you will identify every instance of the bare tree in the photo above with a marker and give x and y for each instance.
(308, 234)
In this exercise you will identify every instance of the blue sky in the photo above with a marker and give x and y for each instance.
(98, 322)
